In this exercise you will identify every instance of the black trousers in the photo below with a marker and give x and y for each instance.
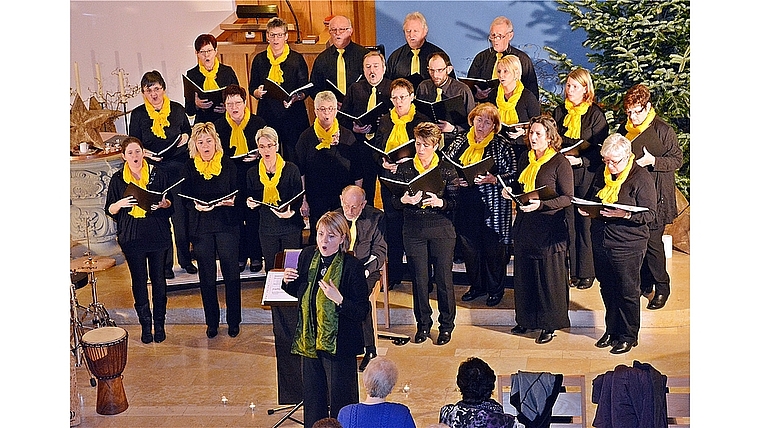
(367, 328)
(330, 383)
(581, 253)
(273, 244)
(440, 242)
(654, 273)
(224, 245)
(485, 258)
(289, 379)
(141, 265)
(618, 272)
(394, 237)
(250, 243)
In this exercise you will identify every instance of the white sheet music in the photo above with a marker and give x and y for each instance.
(273, 292)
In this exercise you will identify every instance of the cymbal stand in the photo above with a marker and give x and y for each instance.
(77, 331)
(291, 408)
(100, 317)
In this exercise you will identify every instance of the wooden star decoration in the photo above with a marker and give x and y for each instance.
(86, 124)
(109, 125)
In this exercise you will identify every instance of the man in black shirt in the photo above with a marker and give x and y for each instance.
(408, 61)
(340, 63)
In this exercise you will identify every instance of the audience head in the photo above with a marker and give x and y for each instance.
(542, 133)
(340, 31)
(332, 233)
(327, 423)
(615, 152)
(637, 103)
(501, 33)
(439, 67)
(579, 87)
(475, 379)
(204, 141)
(353, 199)
(374, 67)
(380, 377)
(483, 114)
(415, 29)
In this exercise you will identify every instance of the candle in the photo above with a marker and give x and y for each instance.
(98, 80)
(76, 78)
(122, 96)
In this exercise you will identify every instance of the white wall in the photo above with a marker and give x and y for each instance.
(139, 36)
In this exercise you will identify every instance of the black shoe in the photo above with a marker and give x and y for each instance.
(494, 300)
(146, 336)
(255, 266)
(368, 356)
(160, 333)
(657, 302)
(421, 336)
(621, 347)
(584, 283)
(604, 341)
(211, 332)
(444, 337)
(472, 295)
(546, 336)
(169, 273)
(573, 281)
(233, 330)
(518, 329)
(191, 269)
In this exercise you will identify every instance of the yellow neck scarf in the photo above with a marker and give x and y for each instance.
(507, 112)
(418, 163)
(237, 139)
(634, 131)
(136, 211)
(573, 118)
(160, 118)
(210, 82)
(210, 168)
(474, 151)
(609, 193)
(325, 136)
(275, 72)
(271, 194)
(398, 135)
(528, 176)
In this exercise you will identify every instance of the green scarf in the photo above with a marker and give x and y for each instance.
(324, 336)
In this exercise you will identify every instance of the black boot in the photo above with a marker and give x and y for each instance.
(146, 322)
(159, 318)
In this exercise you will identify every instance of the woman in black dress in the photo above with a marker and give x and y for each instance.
(540, 235)
(332, 302)
(516, 103)
(142, 235)
(579, 119)
(209, 74)
(209, 195)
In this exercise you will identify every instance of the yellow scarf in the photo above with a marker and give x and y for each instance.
(136, 211)
(474, 151)
(507, 112)
(418, 163)
(160, 118)
(528, 176)
(398, 135)
(210, 168)
(275, 72)
(634, 131)
(237, 139)
(609, 193)
(325, 135)
(271, 194)
(210, 82)
(573, 118)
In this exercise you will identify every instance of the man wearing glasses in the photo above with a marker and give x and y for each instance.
(340, 63)
(442, 86)
(484, 64)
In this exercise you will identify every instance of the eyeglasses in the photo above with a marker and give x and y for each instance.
(635, 112)
(436, 70)
(206, 52)
(276, 35)
(266, 146)
(234, 103)
(326, 109)
(610, 162)
(338, 30)
(153, 90)
(498, 36)
(400, 97)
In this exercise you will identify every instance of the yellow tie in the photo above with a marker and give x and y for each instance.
(341, 71)
(353, 235)
(438, 92)
(415, 61)
(371, 103)
(495, 74)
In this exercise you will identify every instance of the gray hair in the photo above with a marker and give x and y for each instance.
(380, 377)
(325, 97)
(616, 145)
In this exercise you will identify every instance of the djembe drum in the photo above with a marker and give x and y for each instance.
(105, 350)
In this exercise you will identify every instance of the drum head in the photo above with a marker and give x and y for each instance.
(104, 335)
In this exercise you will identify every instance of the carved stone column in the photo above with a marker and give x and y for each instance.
(90, 176)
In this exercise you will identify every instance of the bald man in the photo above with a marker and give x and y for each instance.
(368, 245)
(326, 64)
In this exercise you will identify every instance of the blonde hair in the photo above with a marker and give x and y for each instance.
(513, 63)
(582, 76)
(202, 128)
(416, 16)
(334, 222)
(488, 111)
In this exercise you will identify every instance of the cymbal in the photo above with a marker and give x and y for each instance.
(92, 264)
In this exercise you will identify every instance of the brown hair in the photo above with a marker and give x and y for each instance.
(232, 90)
(488, 111)
(129, 140)
(637, 95)
(555, 141)
(203, 40)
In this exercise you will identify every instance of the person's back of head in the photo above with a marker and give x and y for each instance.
(475, 379)
(327, 423)
(380, 377)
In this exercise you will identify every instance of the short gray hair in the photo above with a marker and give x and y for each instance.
(323, 97)
(616, 145)
(380, 377)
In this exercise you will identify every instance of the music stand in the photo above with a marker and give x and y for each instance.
(292, 408)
